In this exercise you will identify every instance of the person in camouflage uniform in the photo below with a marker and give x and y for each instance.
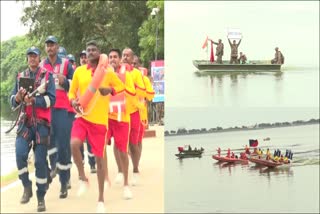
(219, 50)
(234, 51)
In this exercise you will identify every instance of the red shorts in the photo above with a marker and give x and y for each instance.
(120, 133)
(141, 132)
(135, 124)
(94, 133)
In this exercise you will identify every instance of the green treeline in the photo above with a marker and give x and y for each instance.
(114, 24)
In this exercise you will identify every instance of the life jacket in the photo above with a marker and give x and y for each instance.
(144, 71)
(41, 77)
(62, 100)
(118, 102)
(97, 78)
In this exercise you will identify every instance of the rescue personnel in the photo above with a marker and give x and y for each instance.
(278, 57)
(242, 58)
(72, 60)
(219, 50)
(59, 152)
(219, 151)
(149, 95)
(135, 107)
(34, 126)
(91, 158)
(228, 152)
(83, 57)
(92, 121)
(119, 120)
(234, 51)
(268, 153)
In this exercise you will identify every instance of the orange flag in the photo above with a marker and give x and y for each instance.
(205, 43)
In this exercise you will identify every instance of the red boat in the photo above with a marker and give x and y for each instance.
(230, 160)
(267, 163)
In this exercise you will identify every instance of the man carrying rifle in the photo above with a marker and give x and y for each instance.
(34, 124)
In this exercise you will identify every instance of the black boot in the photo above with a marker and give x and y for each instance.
(27, 194)
(93, 169)
(63, 191)
(41, 205)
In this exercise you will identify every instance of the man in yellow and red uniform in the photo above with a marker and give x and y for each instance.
(134, 107)
(119, 120)
(149, 95)
(92, 122)
(59, 148)
(72, 113)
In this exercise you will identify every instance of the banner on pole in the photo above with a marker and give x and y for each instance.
(157, 73)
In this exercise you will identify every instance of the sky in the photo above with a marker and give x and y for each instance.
(11, 12)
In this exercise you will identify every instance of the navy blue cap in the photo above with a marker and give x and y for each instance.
(83, 53)
(62, 52)
(33, 50)
(51, 39)
(71, 57)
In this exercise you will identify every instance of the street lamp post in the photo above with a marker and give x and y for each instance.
(155, 12)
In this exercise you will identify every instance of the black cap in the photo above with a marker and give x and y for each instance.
(33, 50)
(52, 39)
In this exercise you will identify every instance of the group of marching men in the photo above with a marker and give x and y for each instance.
(104, 98)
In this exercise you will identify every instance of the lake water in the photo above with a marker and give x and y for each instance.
(202, 185)
(8, 159)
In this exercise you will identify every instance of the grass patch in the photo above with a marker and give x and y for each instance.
(13, 176)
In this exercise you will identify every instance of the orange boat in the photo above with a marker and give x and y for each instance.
(267, 163)
(230, 160)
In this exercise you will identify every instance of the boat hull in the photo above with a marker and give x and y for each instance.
(267, 163)
(183, 155)
(256, 65)
(229, 160)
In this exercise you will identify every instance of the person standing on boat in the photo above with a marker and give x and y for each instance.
(219, 151)
(278, 57)
(219, 50)
(34, 129)
(242, 58)
(234, 51)
(228, 152)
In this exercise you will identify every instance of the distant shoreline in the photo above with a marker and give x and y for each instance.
(183, 131)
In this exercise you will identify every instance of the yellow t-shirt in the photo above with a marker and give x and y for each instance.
(149, 96)
(134, 103)
(98, 108)
(130, 93)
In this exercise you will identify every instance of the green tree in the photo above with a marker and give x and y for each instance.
(13, 60)
(147, 33)
(113, 23)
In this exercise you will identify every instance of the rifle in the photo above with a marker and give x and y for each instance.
(21, 114)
